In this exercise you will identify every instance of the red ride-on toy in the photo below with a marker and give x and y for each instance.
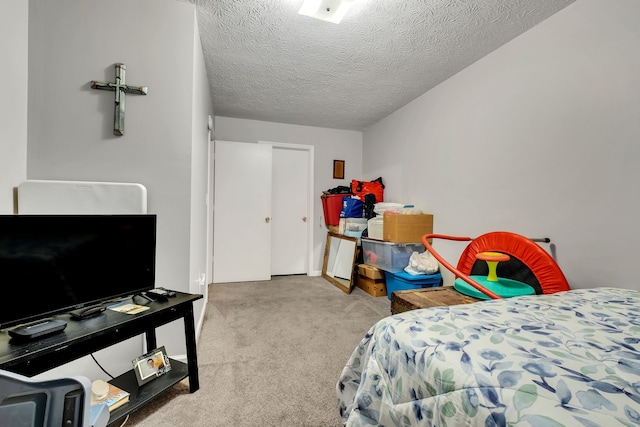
(501, 264)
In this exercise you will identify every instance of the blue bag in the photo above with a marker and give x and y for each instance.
(351, 208)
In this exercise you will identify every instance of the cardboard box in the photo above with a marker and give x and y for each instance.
(374, 287)
(406, 228)
(333, 229)
(370, 271)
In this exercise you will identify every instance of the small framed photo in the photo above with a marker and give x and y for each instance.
(151, 365)
(338, 169)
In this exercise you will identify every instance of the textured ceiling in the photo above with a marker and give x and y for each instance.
(266, 62)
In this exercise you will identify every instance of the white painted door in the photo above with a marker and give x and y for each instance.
(242, 219)
(290, 211)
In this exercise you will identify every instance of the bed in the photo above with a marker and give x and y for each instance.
(570, 358)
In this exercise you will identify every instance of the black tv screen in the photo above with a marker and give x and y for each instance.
(50, 264)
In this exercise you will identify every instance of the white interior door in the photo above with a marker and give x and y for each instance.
(242, 220)
(290, 211)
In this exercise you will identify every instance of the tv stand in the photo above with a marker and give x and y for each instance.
(96, 333)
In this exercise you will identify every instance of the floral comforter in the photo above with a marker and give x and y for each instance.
(566, 359)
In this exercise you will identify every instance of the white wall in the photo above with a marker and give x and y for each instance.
(72, 42)
(13, 110)
(329, 144)
(202, 108)
(539, 138)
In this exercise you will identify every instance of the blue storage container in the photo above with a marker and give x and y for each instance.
(403, 281)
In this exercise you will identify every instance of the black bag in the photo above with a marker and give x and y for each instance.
(369, 204)
(341, 189)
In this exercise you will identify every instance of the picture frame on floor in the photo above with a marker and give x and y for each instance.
(151, 365)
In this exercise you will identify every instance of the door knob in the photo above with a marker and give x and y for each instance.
(304, 219)
(267, 219)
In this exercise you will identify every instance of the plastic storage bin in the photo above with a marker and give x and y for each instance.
(388, 256)
(402, 281)
(375, 226)
(331, 206)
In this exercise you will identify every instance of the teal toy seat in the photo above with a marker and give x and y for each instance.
(503, 287)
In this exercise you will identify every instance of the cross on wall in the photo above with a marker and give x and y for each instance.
(120, 88)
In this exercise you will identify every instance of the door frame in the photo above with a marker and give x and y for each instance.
(310, 202)
(210, 197)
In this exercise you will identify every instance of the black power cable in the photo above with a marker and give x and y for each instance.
(100, 366)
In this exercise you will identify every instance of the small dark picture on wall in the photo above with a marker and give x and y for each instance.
(338, 169)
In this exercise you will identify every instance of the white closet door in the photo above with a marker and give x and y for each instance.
(242, 212)
(290, 231)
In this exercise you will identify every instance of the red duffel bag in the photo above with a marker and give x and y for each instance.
(362, 188)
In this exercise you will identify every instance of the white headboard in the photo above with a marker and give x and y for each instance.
(81, 197)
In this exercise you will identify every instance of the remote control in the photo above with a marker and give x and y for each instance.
(168, 292)
(164, 292)
(154, 294)
(86, 312)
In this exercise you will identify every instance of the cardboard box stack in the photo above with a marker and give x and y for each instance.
(401, 236)
(371, 280)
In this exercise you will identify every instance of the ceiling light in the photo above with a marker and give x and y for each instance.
(326, 10)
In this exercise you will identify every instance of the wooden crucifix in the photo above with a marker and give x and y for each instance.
(120, 88)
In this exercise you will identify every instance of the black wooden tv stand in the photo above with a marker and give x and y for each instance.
(86, 336)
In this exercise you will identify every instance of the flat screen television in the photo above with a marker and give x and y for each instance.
(51, 264)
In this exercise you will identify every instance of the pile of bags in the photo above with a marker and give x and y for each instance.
(364, 195)
(364, 200)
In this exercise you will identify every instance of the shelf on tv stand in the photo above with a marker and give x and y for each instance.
(141, 395)
(84, 337)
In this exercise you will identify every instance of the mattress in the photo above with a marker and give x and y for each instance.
(565, 359)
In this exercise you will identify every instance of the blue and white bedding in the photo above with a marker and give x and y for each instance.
(565, 359)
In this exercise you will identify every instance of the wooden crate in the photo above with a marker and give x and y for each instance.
(402, 301)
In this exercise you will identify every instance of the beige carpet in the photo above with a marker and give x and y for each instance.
(269, 354)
